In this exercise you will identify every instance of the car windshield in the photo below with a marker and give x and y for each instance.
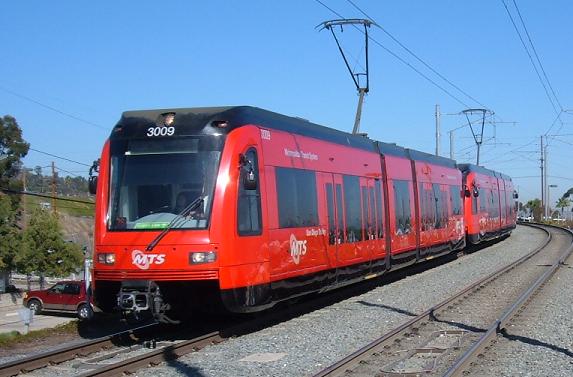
(153, 180)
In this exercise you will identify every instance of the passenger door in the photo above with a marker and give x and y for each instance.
(334, 212)
(54, 297)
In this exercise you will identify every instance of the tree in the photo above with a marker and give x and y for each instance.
(562, 203)
(12, 149)
(9, 234)
(534, 206)
(45, 251)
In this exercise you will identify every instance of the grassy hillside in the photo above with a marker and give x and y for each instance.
(62, 206)
(76, 219)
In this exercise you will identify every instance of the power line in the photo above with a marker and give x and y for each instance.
(53, 109)
(400, 59)
(530, 58)
(16, 192)
(537, 56)
(66, 171)
(417, 57)
(61, 158)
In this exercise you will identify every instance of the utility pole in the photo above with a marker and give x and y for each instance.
(53, 187)
(438, 130)
(542, 161)
(547, 203)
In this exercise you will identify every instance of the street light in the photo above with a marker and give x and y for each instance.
(548, 200)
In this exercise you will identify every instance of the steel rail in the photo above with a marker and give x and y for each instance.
(471, 354)
(353, 359)
(157, 356)
(67, 353)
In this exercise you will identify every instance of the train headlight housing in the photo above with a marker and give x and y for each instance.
(106, 258)
(198, 257)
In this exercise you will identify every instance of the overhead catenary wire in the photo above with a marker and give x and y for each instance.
(29, 99)
(557, 111)
(537, 56)
(59, 157)
(67, 171)
(17, 192)
(427, 65)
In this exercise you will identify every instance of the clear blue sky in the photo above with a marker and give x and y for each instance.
(93, 60)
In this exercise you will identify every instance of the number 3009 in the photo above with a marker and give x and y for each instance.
(160, 131)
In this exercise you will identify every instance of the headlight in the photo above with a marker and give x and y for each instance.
(25, 295)
(106, 258)
(202, 257)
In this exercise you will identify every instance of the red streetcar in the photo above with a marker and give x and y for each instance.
(490, 209)
(244, 207)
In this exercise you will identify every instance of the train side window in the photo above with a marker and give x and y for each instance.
(367, 214)
(439, 201)
(352, 208)
(483, 200)
(445, 210)
(427, 206)
(297, 198)
(379, 212)
(509, 202)
(249, 221)
(474, 205)
(340, 214)
(502, 206)
(402, 207)
(372, 234)
(456, 199)
(331, 219)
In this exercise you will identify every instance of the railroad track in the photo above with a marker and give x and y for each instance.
(86, 359)
(112, 355)
(448, 337)
(71, 352)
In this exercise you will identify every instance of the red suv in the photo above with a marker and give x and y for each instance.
(67, 296)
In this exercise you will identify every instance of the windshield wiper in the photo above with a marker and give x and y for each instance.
(177, 220)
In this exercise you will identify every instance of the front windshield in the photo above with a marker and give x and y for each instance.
(154, 180)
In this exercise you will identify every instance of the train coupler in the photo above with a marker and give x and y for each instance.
(140, 299)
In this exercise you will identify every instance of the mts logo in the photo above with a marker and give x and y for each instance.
(143, 260)
(297, 248)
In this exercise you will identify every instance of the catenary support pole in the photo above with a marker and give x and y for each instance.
(356, 128)
(541, 159)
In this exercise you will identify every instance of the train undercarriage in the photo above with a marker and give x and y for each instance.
(166, 302)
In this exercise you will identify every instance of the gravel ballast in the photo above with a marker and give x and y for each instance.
(540, 341)
(309, 343)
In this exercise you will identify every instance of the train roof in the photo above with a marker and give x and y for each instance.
(200, 120)
(468, 168)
